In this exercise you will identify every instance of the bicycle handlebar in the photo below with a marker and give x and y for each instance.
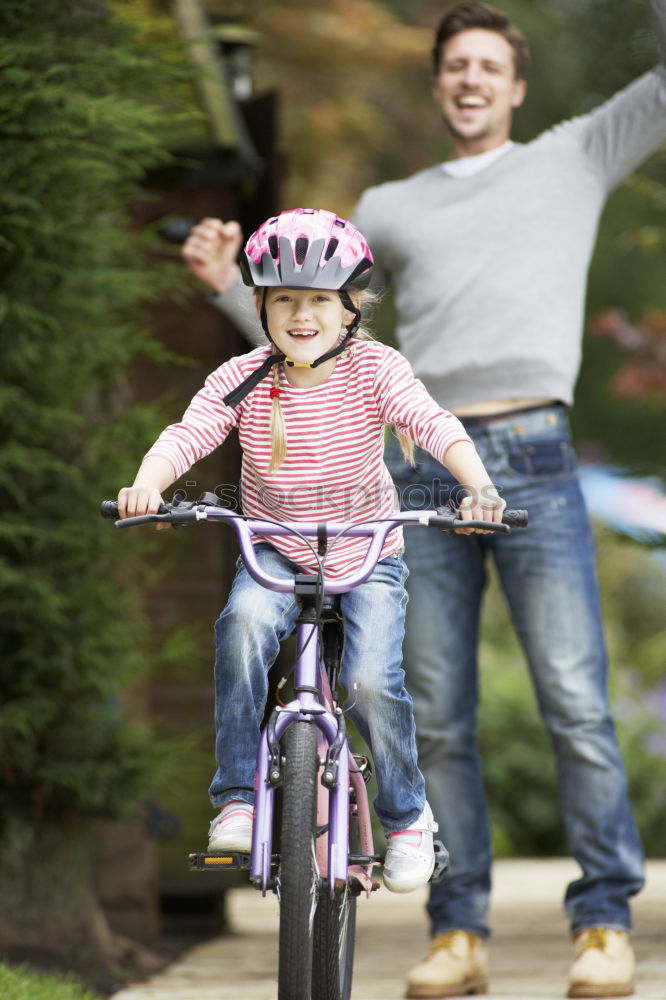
(449, 522)
(180, 514)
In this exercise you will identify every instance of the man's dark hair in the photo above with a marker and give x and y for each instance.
(466, 16)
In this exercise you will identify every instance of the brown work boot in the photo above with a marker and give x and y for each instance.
(457, 964)
(604, 965)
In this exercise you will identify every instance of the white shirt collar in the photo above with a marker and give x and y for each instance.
(467, 166)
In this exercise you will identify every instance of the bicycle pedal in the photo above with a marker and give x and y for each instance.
(220, 861)
(365, 859)
(441, 861)
(360, 881)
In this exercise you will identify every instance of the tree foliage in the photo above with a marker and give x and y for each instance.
(338, 68)
(83, 116)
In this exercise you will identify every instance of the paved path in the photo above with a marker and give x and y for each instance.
(530, 951)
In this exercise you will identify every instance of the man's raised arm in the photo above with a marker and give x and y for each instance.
(210, 252)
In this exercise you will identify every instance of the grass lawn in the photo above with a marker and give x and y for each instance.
(20, 984)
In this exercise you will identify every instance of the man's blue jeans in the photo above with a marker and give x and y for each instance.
(547, 573)
(248, 634)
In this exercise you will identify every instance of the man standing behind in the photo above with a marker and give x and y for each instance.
(488, 256)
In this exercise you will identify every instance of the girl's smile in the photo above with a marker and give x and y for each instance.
(305, 323)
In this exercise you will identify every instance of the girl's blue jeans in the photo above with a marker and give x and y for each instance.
(547, 573)
(248, 634)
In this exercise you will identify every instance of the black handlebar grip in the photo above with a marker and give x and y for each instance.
(515, 518)
(109, 509)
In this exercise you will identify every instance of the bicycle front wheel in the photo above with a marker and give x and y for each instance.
(335, 935)
(298, 874)
(334, 938)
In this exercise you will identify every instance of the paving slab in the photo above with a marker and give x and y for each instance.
(530, 950)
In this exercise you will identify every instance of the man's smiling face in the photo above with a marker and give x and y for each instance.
(477, 90)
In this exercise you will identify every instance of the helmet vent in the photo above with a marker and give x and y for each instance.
(302, 244)
(331, 248)
(306, 248)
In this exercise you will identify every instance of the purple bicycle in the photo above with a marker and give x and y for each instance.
(319, 857)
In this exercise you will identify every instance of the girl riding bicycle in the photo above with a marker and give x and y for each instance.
(311, 407)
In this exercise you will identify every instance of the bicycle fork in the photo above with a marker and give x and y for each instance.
(304, 708)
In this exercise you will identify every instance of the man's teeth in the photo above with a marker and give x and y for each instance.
(471, 102)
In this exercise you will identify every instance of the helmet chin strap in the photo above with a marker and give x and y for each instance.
(240, 392)
(351, 330)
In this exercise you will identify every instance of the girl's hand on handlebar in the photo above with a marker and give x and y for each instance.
(486, 505)
(134, 501)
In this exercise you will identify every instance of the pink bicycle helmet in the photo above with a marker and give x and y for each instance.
(307, 248)
(304, 248)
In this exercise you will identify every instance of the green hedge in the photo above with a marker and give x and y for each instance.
(83, 117)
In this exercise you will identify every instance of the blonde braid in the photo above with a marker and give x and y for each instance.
(406, 447)
(278, 433)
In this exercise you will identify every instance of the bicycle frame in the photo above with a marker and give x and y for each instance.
(317, 892)
(310, 676)
(306, 706)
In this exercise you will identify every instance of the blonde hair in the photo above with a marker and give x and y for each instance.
(278, 433)
(364, 300)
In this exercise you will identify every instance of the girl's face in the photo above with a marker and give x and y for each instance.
(305, 322)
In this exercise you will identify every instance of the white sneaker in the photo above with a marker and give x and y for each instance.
(231, 830)
(410, 858)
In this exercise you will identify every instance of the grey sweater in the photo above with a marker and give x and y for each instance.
(489, 271)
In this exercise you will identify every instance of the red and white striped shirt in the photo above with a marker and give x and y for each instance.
(334, 468)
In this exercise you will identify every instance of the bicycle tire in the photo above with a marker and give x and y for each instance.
(335, 938)
(298, 872)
